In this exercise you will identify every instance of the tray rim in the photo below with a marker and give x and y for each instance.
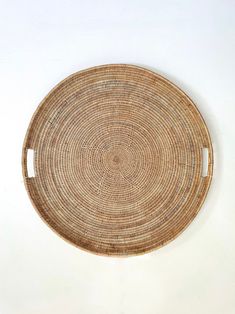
(25, 148)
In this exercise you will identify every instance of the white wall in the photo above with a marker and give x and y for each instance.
(191, 43)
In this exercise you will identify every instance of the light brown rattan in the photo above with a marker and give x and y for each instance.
(118, 160)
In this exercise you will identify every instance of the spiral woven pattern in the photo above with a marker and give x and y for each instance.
(118, 160)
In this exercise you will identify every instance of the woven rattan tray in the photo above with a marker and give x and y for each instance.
(118, 160)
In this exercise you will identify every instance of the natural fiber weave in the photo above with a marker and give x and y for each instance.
(118, 160)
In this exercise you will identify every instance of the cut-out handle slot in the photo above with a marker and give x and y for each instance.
(204, 162)
(30, 163)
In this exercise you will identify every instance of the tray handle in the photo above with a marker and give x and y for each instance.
(29, 163)
(205, 162)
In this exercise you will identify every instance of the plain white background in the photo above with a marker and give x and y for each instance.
(192, 43)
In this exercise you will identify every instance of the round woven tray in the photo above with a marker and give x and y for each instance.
(118, 160)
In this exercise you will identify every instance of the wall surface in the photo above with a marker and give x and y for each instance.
(192, 43)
